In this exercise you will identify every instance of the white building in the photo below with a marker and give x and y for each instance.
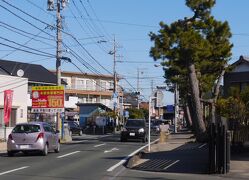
(19, 103)
(87, 88)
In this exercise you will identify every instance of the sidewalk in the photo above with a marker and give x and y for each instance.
(182, 155)
(3, 147)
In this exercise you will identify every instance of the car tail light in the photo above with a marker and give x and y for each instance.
(40, 135)
(10, 137)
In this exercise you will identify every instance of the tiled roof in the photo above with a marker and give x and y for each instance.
(242, 59)
(34, 72)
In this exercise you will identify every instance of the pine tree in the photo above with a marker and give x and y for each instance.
(194, 52)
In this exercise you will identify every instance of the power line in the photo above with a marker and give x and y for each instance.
(40, 8)
(21, 46)
(42, 37)
(26, 46)
(90, 28)
(30, 52)
(98, 19)
(47, 34)
(118, 22)
(26, 20)
(50, 26)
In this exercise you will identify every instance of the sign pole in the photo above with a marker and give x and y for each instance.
(149, 124)
(5, 138)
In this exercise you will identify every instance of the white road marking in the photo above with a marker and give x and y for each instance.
(201, 146)
(171, 164)
(75, 142)
(117, 174)
(17, 169)
(113, 149)
(124, 160)
(98, 145)
(105, 135)
(68, 154)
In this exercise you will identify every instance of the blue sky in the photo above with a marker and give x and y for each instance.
(92, 21)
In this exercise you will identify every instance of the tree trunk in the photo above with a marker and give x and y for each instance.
(215, 96)
(198, 113)
(188, 116)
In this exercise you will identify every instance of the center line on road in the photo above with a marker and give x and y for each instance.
(124, 160)
(98, 145)
(68, 154)
(17, 169)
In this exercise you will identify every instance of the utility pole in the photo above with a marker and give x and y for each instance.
(138, 88)
(59, 4)
(58, 56)
(114, 66)
(115, 93)
(176, 107)
(58, 43)
(152, 86)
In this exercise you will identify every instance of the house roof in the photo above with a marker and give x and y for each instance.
(79, 74)
(86, 109)
(242, 59)
(34, 72)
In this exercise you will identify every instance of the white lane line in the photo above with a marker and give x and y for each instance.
(171, 164)
(17, 169)
(113, 149)
(106, 135)
(98, 145)
(124, 160)
(68, 154)
(201, 146)
(75, 142)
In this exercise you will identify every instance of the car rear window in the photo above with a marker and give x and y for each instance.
(135, 123)
(26, 128)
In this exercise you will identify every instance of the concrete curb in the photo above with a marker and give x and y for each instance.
(134, 159)
(130, 162)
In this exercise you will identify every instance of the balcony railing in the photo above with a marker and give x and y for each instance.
(88, 88)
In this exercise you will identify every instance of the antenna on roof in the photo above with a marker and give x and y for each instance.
(20, 72)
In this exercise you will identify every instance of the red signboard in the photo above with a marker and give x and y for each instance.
(48, 99)
(8, 96)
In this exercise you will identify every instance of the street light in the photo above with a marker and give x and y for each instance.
(150, 99)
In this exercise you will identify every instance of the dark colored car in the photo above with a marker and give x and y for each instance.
(134, 129)
(74, 128)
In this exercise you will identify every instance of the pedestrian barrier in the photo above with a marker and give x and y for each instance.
(219, 148)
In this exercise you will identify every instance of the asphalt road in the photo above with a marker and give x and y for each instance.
(87, 157)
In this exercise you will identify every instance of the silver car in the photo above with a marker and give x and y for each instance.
(33, 136)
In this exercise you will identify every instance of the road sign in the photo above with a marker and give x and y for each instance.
(159, 98)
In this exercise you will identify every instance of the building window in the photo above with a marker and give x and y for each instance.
(21, 113)
(80, 84)
(110, 85)
(89, 85)
(103, 85)
(67, 97)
